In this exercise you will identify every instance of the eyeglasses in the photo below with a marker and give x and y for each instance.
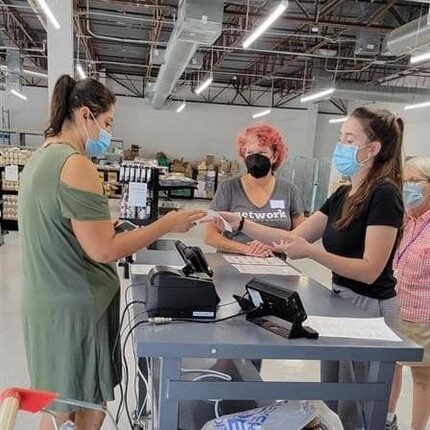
(417, 181)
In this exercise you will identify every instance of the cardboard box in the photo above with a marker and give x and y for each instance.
(234, 167)
(112, 177)
(210, 160)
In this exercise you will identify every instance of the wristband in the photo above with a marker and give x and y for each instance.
(242, 222)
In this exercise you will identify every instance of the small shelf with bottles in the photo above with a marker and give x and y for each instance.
(140, 188)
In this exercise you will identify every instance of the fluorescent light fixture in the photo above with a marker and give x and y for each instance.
(80, 71)
(317, 95)
(181, 107)
(204, 85)
(418, 106)
(337, 120)
(420, 57)
(18, 94)
(34, 73)
(49, 14)
(274, 15)
(262, 113)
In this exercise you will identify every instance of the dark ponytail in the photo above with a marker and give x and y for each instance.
(60, 104)
(70, 95)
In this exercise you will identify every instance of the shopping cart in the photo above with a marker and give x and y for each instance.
(13, 400)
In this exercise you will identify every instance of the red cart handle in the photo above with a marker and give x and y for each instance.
(14, 399)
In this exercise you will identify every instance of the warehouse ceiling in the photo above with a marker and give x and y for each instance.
(313, 43)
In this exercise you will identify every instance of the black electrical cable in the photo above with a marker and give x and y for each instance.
(124, 392)
(140, 284)
(126, 376)
(114, 351)
(214, 321)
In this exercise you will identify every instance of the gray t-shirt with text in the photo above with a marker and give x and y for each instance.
(284, 204)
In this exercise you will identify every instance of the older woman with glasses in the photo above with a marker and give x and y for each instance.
(412, 264)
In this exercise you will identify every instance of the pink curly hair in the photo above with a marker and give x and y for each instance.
(267, 136)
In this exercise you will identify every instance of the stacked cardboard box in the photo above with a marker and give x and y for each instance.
(131, 153)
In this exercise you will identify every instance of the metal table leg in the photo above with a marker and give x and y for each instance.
(168, 408)
(377, 410)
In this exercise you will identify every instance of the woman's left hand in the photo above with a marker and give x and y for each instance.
(260, 249)
(294, 247)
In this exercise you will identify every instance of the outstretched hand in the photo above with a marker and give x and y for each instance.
(182, 221)
(294, 247)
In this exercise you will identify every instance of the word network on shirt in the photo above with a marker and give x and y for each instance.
(272, 215)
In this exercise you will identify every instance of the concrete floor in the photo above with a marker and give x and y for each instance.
(13, 371)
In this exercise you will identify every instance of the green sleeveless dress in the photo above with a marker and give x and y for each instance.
(70, 304)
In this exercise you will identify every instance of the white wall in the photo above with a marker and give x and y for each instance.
(417, 132)
(417, 126)
(208, 129)
(416, 138)
(200, 129)
(327, 137)
(27, 115)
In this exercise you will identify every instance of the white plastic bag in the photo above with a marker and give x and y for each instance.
(327, 418)
(285, 415)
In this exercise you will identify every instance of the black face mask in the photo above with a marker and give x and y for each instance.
(258, 165)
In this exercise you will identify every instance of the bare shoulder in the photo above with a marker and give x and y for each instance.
(79, 172)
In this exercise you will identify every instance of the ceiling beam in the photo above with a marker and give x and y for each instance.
(380, 12)
(84, 37)
(20, 35)
(260, 66)
(230, 38)
(302, 8)
(341, 23)
(397, 16)
(143, 3)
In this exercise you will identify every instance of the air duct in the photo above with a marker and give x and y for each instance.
(407, 38)
(199, 23)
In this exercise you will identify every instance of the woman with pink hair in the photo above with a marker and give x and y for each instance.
(257, 195)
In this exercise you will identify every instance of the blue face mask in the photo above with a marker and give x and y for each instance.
(98, 146)
(345, 159)
(413, 194)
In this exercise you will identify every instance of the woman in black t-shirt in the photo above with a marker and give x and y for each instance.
(359, 226)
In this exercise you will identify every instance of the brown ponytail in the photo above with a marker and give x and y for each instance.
(383, 126)
(70, 94)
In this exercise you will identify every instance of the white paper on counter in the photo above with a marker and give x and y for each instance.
(266, 270)
(353, 328)
(257, 261)
(144, 269)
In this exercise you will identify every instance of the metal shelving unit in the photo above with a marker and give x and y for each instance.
(138, 172)
(7, 225)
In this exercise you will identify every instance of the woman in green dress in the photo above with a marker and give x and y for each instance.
(70, 296)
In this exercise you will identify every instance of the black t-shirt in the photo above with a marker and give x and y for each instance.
(384, 206)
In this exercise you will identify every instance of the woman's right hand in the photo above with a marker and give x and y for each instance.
(182, 221)
(232, 218)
